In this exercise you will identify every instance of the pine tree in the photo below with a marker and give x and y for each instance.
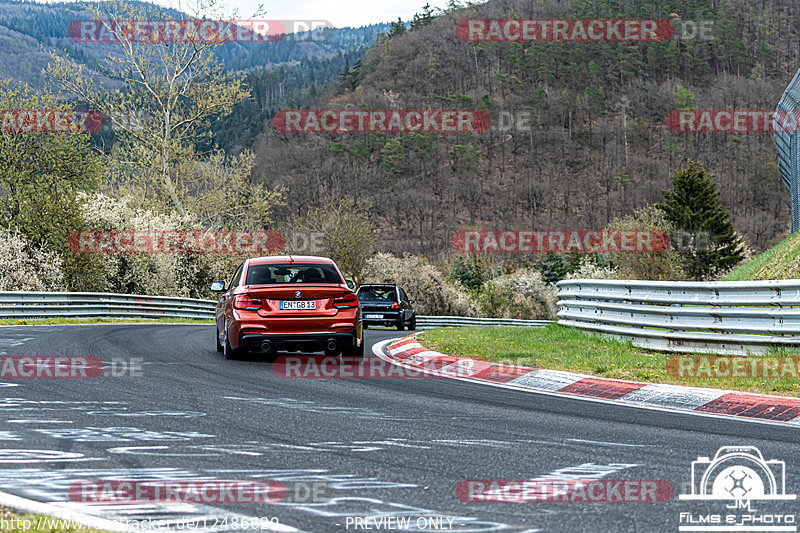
(398, 28)
(694, 207)
(424, 18)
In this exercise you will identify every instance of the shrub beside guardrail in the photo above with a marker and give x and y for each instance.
(726, 317)
(431, 322)
(39, 305)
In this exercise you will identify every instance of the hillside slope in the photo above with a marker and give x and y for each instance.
(782, 261)
(598, 145)
(29, 29)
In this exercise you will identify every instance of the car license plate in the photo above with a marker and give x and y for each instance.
(298, 305)
(374, 316)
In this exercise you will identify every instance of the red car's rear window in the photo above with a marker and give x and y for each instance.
(292, 273)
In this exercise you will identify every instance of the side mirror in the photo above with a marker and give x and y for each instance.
(350, 283)
(411, 301)
(218, 286)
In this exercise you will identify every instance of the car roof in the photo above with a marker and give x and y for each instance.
(377, 285)
(282, 259)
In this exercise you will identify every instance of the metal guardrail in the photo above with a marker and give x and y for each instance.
(37, 305)
(720, 317)
(726, 317)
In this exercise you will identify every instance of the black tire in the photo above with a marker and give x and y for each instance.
(401, 324)
(413, 324)
(227, 350)
(354, 352)
(219, 346)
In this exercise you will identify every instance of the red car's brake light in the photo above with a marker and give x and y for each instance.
(396, 305)
(243, 301)
(347, 301)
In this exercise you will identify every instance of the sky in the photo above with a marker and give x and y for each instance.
(340, 12)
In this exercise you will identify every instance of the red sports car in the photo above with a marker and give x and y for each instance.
(288, 303)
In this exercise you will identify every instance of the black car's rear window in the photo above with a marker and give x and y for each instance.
(292, 273)
(377, 294)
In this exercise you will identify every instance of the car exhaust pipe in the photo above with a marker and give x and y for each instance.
(332, 347)
(266, 346)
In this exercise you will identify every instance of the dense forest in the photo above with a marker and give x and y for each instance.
(598, 145)
(276, 88)
(28, 30)
(280, 74)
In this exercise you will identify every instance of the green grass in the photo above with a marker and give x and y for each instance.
(66, 321)
(10, 522)
(782, 261)
(560, 348)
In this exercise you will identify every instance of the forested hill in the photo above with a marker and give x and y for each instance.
(29, 29)
(598, 144)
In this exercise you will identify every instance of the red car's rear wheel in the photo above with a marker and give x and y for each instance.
(227, 350)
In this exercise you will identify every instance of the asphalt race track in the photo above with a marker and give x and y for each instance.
(344, 449)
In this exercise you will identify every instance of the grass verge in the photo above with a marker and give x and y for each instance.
(11, 522)
(560, 348)
(66, 321)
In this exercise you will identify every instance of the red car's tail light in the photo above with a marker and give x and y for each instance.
(346, 302)
(243, 301)
(396, 305)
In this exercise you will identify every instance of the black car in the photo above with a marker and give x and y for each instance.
(386, 305)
